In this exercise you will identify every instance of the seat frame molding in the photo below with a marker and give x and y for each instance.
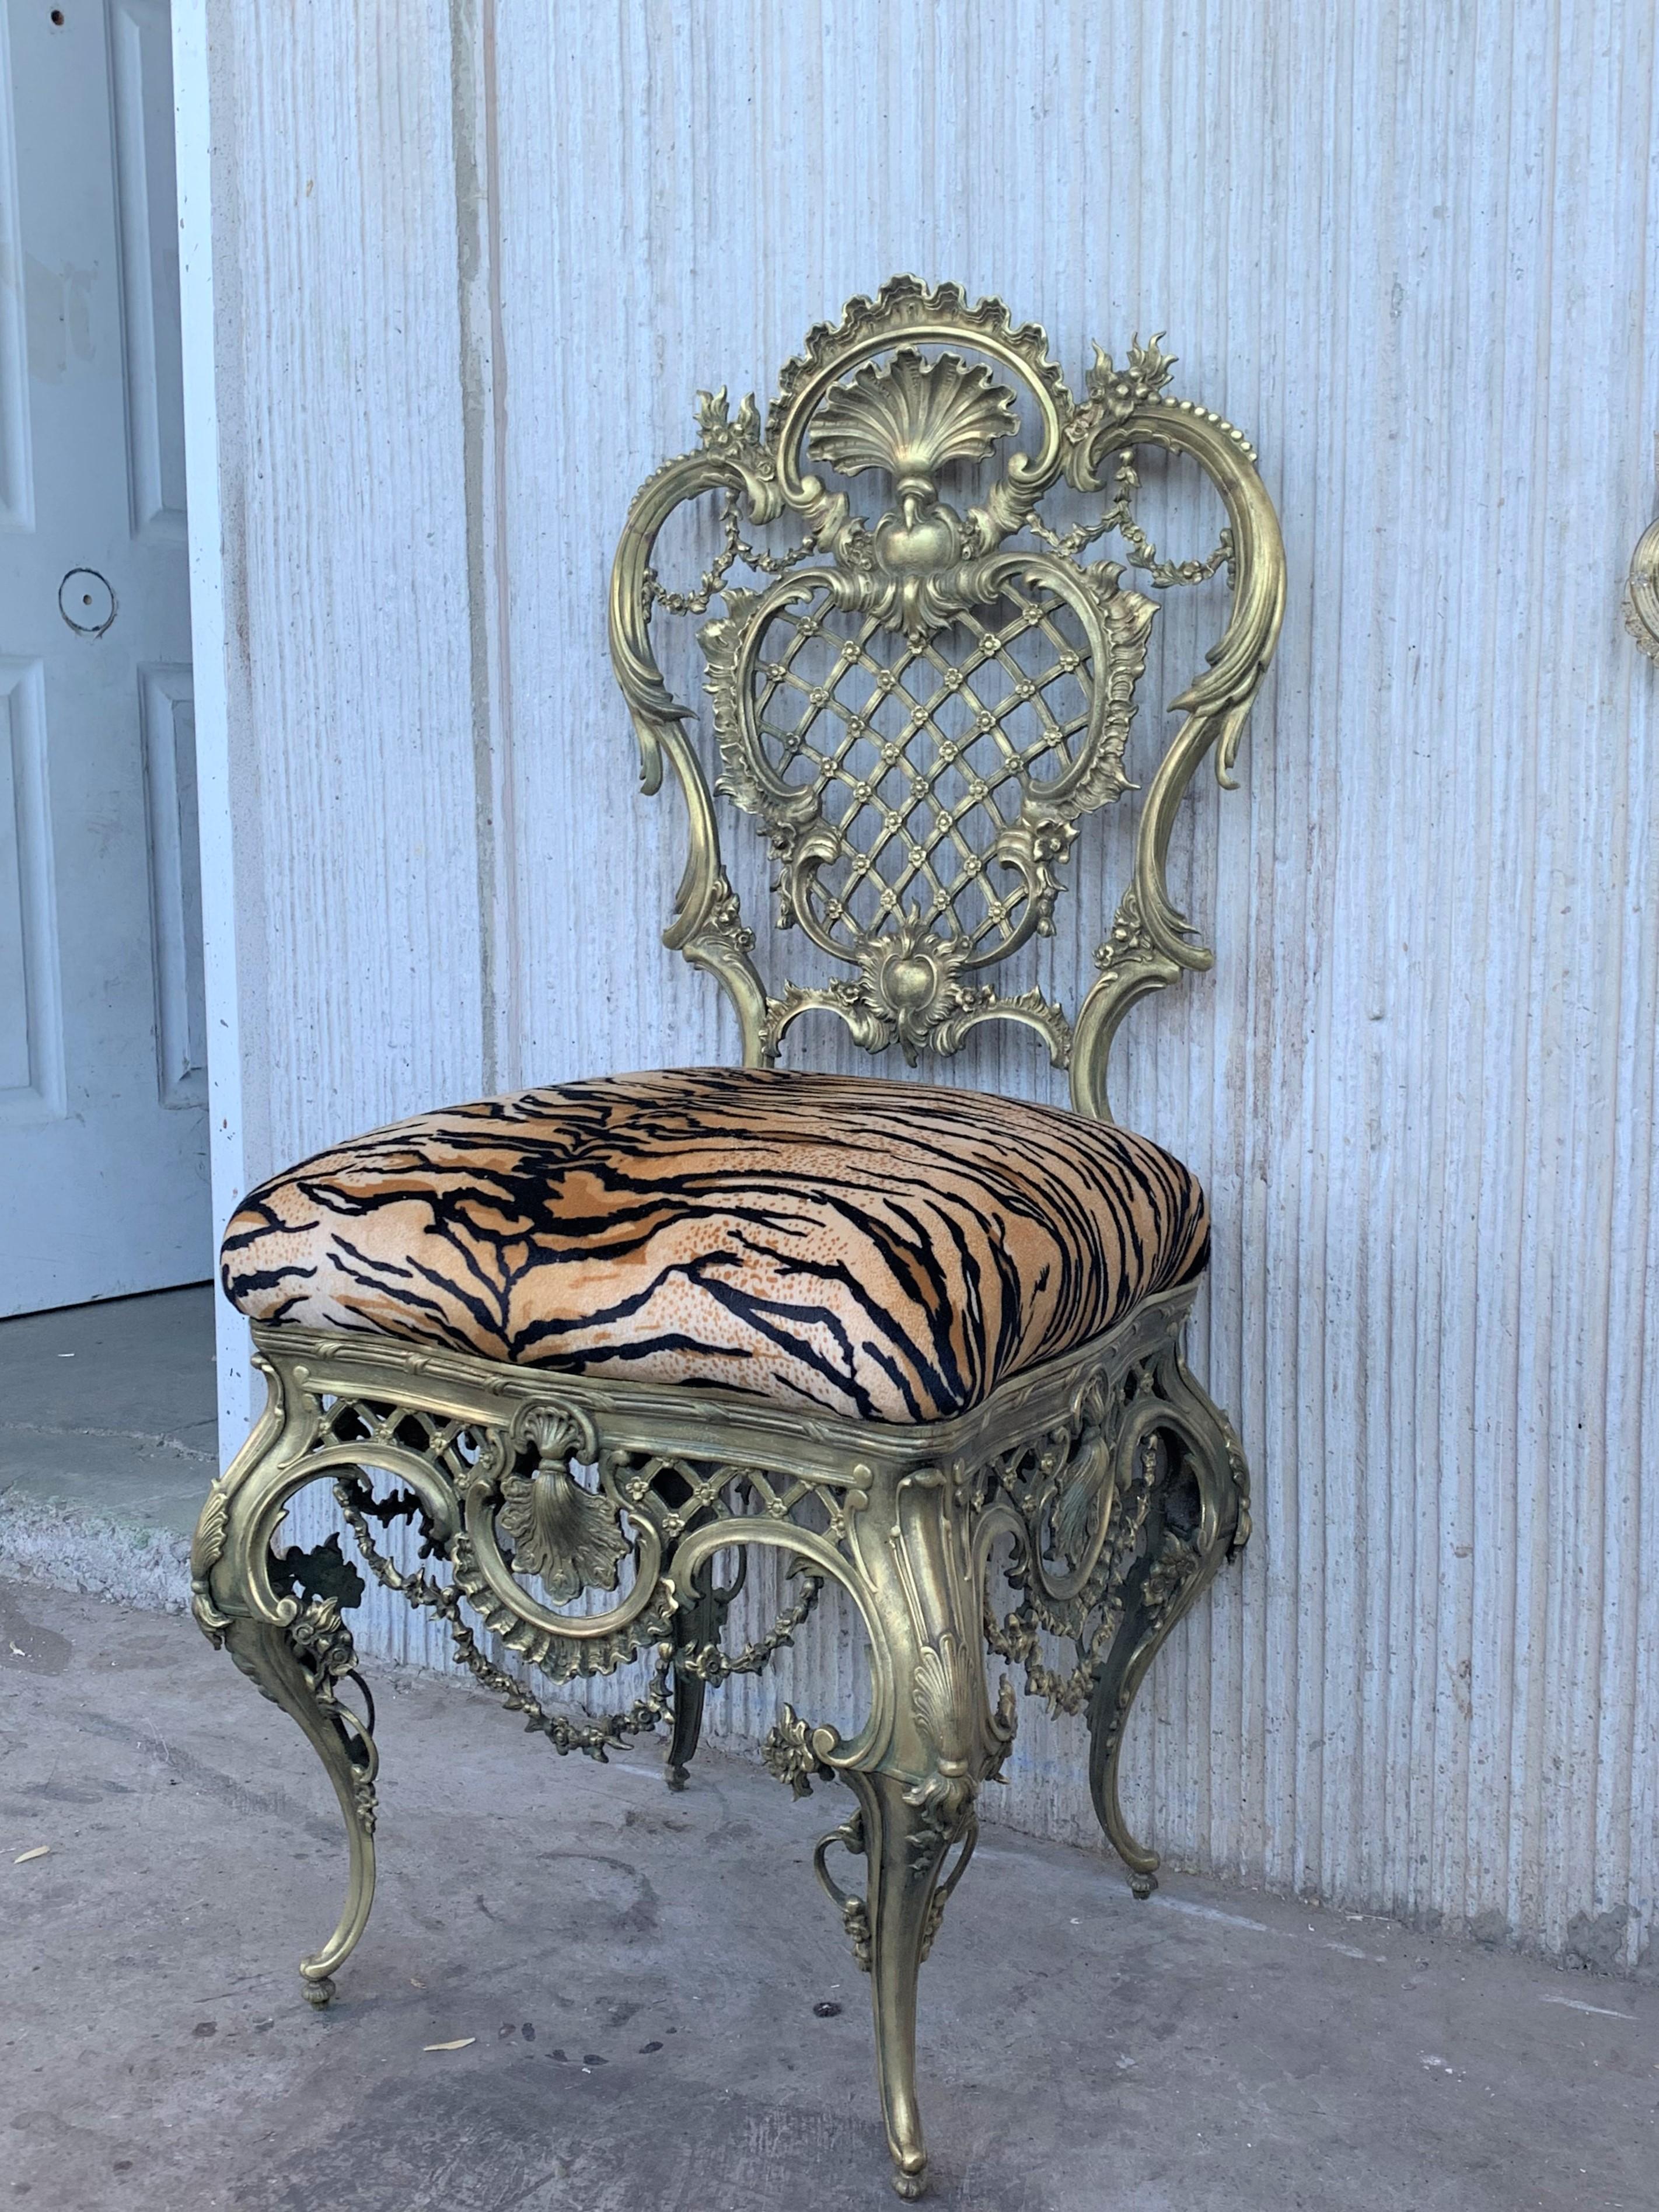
(568, 1525)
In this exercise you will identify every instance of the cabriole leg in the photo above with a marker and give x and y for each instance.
(281, 1619)
(299, 1668)
(1197, 1516)
(914, 1566)
(905, 1846)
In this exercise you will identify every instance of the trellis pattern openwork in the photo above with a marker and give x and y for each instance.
(919, 708)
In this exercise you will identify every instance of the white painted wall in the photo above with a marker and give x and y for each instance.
(467, 266)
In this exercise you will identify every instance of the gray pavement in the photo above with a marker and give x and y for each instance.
(107, 1443)
(110, 1409)
(638, 1975)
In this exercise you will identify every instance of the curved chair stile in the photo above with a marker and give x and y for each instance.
(586, 1340)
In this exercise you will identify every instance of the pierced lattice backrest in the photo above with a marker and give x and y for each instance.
(920, 708)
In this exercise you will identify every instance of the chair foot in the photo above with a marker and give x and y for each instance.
(320, 1992)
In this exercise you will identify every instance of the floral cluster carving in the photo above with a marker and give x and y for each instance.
(789, 1754)
(738, 442)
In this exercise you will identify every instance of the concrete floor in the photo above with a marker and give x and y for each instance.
(112, 1408)
(639, 1975)
(639, 1972)
(107, 1443)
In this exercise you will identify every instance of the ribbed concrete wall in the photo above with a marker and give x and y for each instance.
(469, 268)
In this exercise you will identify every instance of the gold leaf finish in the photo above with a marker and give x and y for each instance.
(1115, 1445)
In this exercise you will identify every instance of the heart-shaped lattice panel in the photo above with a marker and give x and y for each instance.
(916, 757)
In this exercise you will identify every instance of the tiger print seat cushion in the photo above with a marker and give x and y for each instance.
(877, 1249)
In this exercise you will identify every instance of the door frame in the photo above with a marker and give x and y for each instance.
(193, 143)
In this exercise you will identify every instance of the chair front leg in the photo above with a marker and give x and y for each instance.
(914, 1563)
(904, 1844)
(281, 1619)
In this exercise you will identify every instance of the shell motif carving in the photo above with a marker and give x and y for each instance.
(567, 1536)
(910, 417)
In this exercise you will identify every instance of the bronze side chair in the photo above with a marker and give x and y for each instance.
(588, 1340)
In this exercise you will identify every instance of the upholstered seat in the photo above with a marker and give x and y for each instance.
(887, 1250)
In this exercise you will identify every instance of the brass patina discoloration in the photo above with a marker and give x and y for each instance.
(919, 711)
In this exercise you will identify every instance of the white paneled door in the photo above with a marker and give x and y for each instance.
(103, 1116)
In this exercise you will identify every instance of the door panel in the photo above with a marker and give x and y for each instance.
(103, 1170)
(175, 885)
(141, 72)
(31, 1030)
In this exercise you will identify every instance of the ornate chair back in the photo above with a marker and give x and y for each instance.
(920, 707)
